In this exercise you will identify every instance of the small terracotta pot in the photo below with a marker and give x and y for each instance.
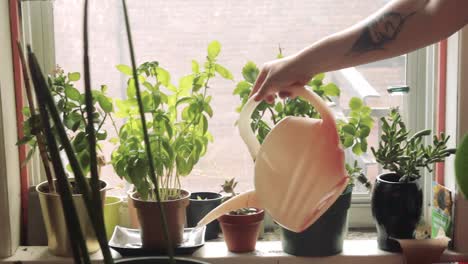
(152, 232)
(241, 231)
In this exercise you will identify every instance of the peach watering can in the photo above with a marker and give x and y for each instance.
(299, 168)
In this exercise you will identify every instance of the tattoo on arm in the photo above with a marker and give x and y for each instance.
(379, 32)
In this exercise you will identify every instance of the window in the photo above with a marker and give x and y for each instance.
(175, 32)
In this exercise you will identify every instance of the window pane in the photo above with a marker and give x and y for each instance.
(175, 32)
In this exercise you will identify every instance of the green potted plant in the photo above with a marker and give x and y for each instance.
(461, 200)
(178, 135)
(151, 163)
(51, 131)
(325, 237)
(62, 200)
(242, 226)
(397, 196)
(71, 105)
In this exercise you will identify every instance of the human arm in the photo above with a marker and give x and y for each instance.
(399, 27)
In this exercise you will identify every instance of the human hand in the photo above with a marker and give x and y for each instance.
(282, 77)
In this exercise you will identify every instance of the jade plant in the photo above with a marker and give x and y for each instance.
(177, 120)
(406, 155)
(71, 105)
(353, 131)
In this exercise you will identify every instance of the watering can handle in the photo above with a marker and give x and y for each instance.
(248, 135)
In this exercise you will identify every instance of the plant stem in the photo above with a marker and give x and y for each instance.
(80, 252)
(145, 135)
(99, 225)
(39, 134)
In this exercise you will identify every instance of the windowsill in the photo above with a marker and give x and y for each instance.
(354, 251)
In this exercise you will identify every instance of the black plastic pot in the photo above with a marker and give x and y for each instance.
(157, 260)
(325, 236)
(201, 203)
(396, 208)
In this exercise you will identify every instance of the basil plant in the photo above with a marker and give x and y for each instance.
(177, 120)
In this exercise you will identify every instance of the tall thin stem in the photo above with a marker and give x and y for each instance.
(77, 241)
(145, 135)
(99, 225)
(40, 133)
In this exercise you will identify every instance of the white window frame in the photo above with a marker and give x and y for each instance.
(10, 198)
(420, 69)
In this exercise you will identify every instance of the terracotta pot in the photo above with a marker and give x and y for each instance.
(241, 231)
(132, 212)
(54, 220)
(152, 232)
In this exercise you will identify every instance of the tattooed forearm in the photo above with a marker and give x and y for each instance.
(380, 32)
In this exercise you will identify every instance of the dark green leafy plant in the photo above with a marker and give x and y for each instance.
(178, 118)
(353, 132)
(71, 104)
(407, 155)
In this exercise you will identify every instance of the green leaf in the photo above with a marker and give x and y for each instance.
(101, 135)
(74, 76)
(348, 141)
(195, 66)
(186, 82)
(367, 121)
(164, 76)
(250, 72)
(365, 110)
(319, 77)
(357, 149)
(131, 88)
(363, 145)
(72, 93)
(225, 73)
(184, 100)
(208, 109)
(364, 132)
(26, 111)
(125, 69)
(214, 48)
(355, 103)
(205, 124)
(104, 88)
(105, 103)
(331, 89)
(279, 107)
(242, 88)
(349, 130)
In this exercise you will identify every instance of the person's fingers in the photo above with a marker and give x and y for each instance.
(270, 99)
(264, 90)
(260, 79)
(284, 94)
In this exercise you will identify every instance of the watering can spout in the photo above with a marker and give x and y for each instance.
(247, 199)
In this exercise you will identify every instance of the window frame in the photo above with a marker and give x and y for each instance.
(38, 28)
